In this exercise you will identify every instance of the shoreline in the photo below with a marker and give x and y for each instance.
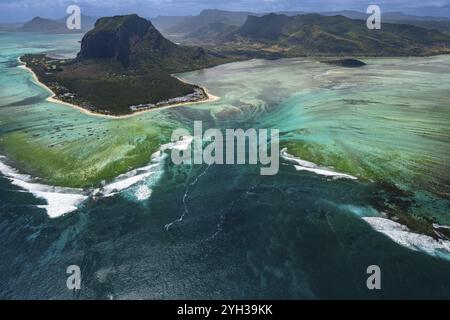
(211, 98)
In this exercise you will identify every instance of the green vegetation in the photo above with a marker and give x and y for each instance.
(124, 62)
(206, 18)
(317, 35)
(211, 33)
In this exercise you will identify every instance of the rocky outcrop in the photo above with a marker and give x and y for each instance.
(121, 37)
(347, 63)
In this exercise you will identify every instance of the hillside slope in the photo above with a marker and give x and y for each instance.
(314, 34)
(193, 23)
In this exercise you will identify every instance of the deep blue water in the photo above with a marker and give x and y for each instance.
(244, 237)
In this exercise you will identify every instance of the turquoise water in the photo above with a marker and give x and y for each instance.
(293, 235)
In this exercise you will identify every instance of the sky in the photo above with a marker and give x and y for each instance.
(23, 10)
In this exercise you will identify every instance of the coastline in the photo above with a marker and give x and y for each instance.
(211, 98)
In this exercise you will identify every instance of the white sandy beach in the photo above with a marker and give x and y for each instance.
(211, 98)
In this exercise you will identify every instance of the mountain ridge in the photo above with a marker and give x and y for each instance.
(170, 25)
(314, 34)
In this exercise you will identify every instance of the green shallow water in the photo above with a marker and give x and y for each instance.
(386, 121)
(60, 144)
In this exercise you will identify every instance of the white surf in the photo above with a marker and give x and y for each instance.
(302, 165)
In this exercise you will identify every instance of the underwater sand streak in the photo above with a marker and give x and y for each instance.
(185, 196)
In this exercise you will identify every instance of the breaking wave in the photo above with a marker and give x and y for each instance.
(61, 200)
(302, 165)
(401, 234)
(404, 237)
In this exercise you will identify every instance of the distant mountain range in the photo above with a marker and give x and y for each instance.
(43, 25)
(388, 16)
(189, 24)
(189, 27)
(212, 20)
(437, 23)
(318, 35)
(192, 23)
(210, 34)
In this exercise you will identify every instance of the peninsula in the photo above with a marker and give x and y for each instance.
(124, 66)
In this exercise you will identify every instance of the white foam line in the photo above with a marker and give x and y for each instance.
(60, 201)
(438, 226)
(120, 185)
(303, 165)
(403, 236)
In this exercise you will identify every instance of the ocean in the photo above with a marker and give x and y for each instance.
(102, 194)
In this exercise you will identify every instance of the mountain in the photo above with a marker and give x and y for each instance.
(136, 43)
(399, 16)
(438, 23)
(9, 27)
(87, 22)
(43, 25)
(442, 10)
(125, 39)
(314, 34)
(162, 23)
(170, 25)
(50, 26)
(211, 26)
(124, 64)
(192, 23)
(212, 33)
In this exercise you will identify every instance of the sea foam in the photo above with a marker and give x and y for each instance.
(403, 236)
(59, 200)
(302, 165)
